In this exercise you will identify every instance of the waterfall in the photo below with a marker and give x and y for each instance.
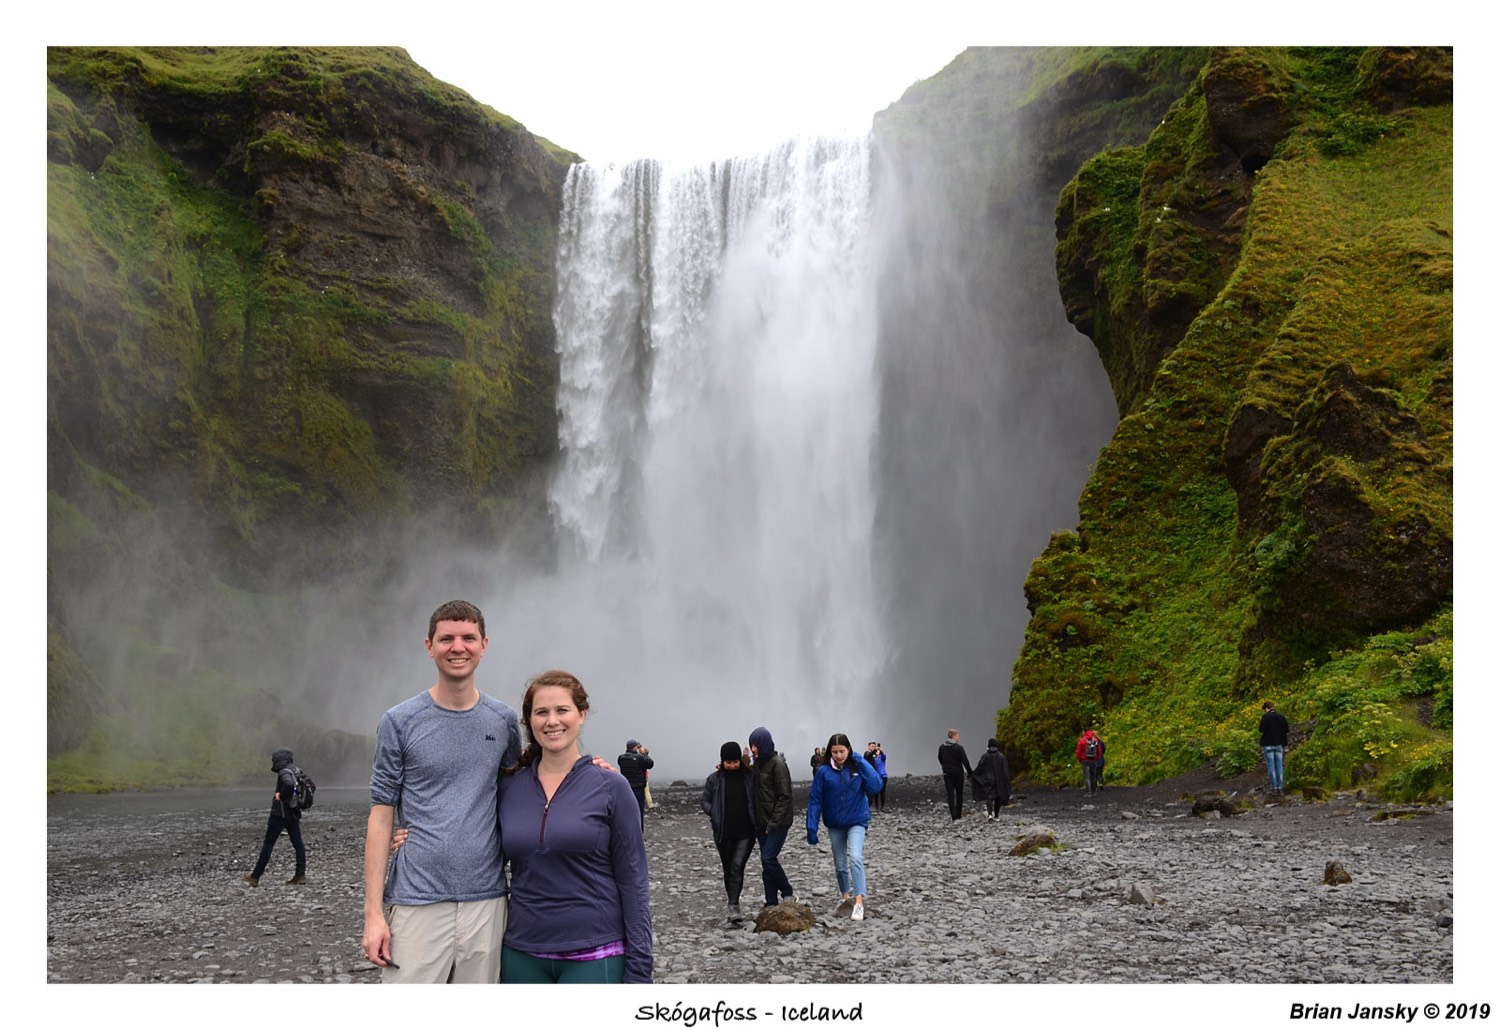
(718, 401)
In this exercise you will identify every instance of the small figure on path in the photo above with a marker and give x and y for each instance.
(956, 768)
(1090, 752)
(817, 758)
(633, 765)
(840, 794)
(875, 755)
(1273, 736)
(286, 814)
(773, 812)
(992, 780)
(729, 803)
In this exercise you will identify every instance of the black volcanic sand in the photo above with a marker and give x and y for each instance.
(147, 888)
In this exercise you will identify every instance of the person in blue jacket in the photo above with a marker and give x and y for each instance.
(580, 905)
(841, 790)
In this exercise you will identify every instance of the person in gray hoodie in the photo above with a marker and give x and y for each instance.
(285, 815)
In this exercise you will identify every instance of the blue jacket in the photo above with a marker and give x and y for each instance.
(842, 798)
(578, 865)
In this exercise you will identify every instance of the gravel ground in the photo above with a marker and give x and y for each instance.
(146, 889)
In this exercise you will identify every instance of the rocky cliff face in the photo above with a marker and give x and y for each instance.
(1269, 283)
(294, 296)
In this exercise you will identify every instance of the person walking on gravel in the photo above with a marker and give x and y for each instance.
(285, 815)
(992, 780)
(840, 795)
(956, 769)
(729, 803)
(1273, 736)
(773, 812)
(1090, 752)
(633, 765)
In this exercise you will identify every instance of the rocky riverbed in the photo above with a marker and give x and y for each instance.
(147, 889)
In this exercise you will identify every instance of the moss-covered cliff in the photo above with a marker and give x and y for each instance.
(1268, 281)
(294, 296)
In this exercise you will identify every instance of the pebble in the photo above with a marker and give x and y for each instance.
(1137, 891)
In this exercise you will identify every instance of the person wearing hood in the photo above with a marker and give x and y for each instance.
(773, 812)
(840, 795)
(285, 815)
(992, 780)
(1090, 752)
(729, 803)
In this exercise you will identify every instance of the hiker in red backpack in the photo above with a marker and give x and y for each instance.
(1090, 751)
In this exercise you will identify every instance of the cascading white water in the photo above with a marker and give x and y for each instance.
(718, 407)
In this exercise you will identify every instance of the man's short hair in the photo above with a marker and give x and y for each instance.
(1267, 706)
(952, 734)
(455, 611)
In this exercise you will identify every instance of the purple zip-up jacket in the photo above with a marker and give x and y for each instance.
(578, 865)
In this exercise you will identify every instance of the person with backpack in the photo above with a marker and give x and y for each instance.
(286, 814)
(1090, 752)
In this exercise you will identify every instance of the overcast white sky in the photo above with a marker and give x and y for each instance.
(711, 90)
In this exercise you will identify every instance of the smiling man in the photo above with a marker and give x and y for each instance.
(436, 914)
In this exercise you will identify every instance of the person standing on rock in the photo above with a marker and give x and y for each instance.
(1090, 752)
(1273, 737)
(729, 803)
(773, 812)
(875, 755)
(992, 780)
(840, 794)
(285, 815)
(956, 769)
(437, 913)
(633, 765)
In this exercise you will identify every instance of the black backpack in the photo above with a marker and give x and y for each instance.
(302, 797)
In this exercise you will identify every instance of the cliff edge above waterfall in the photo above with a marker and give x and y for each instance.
(1268, 281)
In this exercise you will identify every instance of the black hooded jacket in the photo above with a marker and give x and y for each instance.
(286, 784)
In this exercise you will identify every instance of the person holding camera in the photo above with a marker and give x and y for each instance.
(876, 757)
(633, 765)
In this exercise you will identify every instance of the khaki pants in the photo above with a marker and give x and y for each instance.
(455, 942)
(649, 802)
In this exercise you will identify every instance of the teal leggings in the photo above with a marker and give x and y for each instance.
(517, 967)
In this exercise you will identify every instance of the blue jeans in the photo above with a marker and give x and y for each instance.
(1274, 754)
(771, 874)
(848, 843)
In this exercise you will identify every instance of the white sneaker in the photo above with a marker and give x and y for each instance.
(859, 911)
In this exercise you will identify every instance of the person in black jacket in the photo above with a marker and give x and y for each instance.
(956, 769)
(1273, 734)
(285, 815)
(633, 765)
(729, 803)
(992, 780)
